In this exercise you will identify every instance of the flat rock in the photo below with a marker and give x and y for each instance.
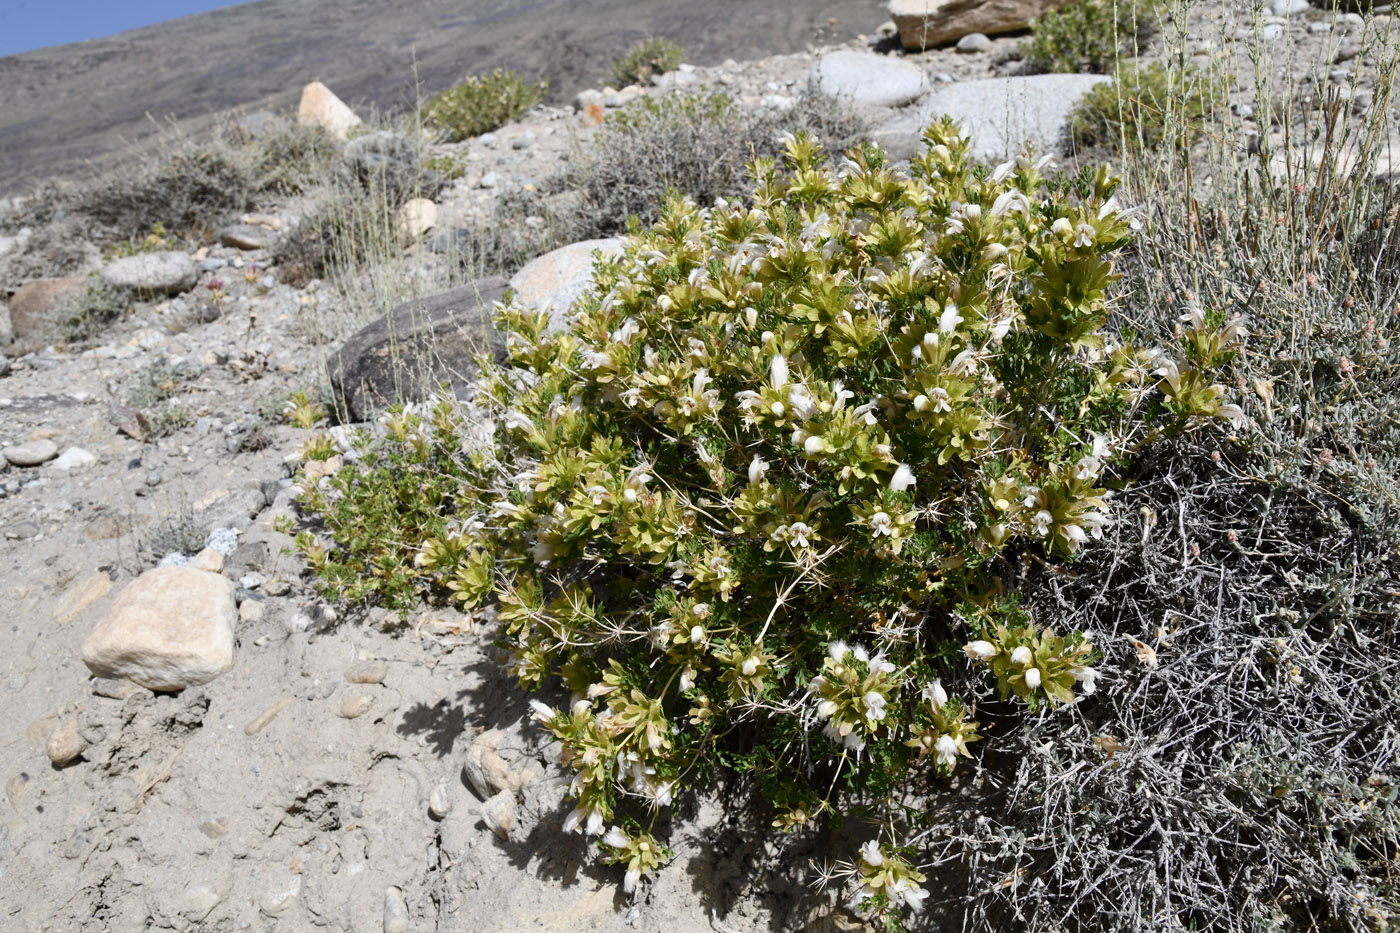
(247, 237)
(320, 107)
(168, 272)
(79, 596)
(417, 347)
(170, 628)
(925, 23)
(74, 458)
(367, 672)
(30, 454)
(865, 80)
(557, 279)
(1002, 114)
(34, 307)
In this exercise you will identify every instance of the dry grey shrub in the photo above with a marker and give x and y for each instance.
(1240, 766)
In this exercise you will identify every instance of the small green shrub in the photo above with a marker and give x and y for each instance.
(769, 493)
(1089, 36)
(649, 57)
(1152, 105)
(481, 103)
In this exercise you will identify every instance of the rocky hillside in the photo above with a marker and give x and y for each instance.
(196, 738)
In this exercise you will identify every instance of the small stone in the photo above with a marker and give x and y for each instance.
(1272, 31)
(223, 540)
(31, 454)
(498, 813)
(79, 596)
(114, 689)
(320, 107)
(199, 900)
(1318, 29)
(277, 902)
(1288, 7)
(416, 218)
(355, 705)
(523, 141)
(251, 611)
(247, 237)
(153, 478)
(367, 672)
(74, 458)
(277, 587)
(168, 272)
(973, 43)
(170, 628)
(65, 744)
(208, 560)
(866, 80)
(439, 803)
(489, 180)
(395, 911)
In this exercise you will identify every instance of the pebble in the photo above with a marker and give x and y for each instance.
(1272, 31)
(1318, 29)
(355, 706)
(199, 899)
(208, 559)
(223, 540)
(498, 814)
(367, 672)
(277, 587)
(975, 42)
(944, 78)
(65, 745)
(153, 478)
(395, 911)
(1288, 7)
(74, 458)
(523, 141)
(489, 180)
(31, 454)
(251, 611)
(439, 803)
(114, 689)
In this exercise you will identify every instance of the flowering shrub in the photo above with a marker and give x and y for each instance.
(759, 501)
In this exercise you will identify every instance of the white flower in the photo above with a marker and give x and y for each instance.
(813, 445)
(1040, 524)
(949, 319)
(778, 372)
(874, 705)
(945, 750)
(837, 652)
(912, 894)
(757, 467)
(903, 478)
(1062, 228)
(940, 399)
(980, 650)
(870, 853)
(935, 694)
(797, 534)
(750, 666)
(1085, 235)
(1000, 173)
(629, 880)
(1033, 678)
(803, 405)
(1086, 676)
(880, 524)
(616, 838)
(543, 713)
(1022, 656)
(591, 820)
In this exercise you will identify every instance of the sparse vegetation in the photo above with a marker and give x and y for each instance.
(1156, 104)
(1090, 35)
(649, 57)
(481, 103)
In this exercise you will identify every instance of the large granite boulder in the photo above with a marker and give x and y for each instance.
(417, 347)
(926, 23)
(559, 278)
(867, 80)
(1003, 114)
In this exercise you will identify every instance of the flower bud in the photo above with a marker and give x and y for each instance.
(1022, 657)
(1033, 678)
(813, 445)
(980, 650)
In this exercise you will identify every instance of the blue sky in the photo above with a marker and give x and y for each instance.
(37, 24)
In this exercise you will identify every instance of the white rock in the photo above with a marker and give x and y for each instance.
(65, 744)
(974, 42)
(395, 911)
(439, 803)
(208, 560)
(1002, 114)
(74, 458)
(560, 277)
(867, 80)
(169, 272)
(170, 628)
(199, 899)
(320, 107)
(1289, 7)
(416, 218)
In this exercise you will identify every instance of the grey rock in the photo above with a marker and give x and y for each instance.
(247, 237)
(395, 911)
(1003, 113)
(74, 458)
(417, 347)
(1318, 29)
(212, 264)
(1288, 7)
(944, 78)
(866, 80)
(367, 672)
(439, 803)
(355, 706)
(498, 813)
(557, 279)
(490, 180)
(168, 272)
(30, 454)
(973, 43)
(1272, 31)
(523, 141)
